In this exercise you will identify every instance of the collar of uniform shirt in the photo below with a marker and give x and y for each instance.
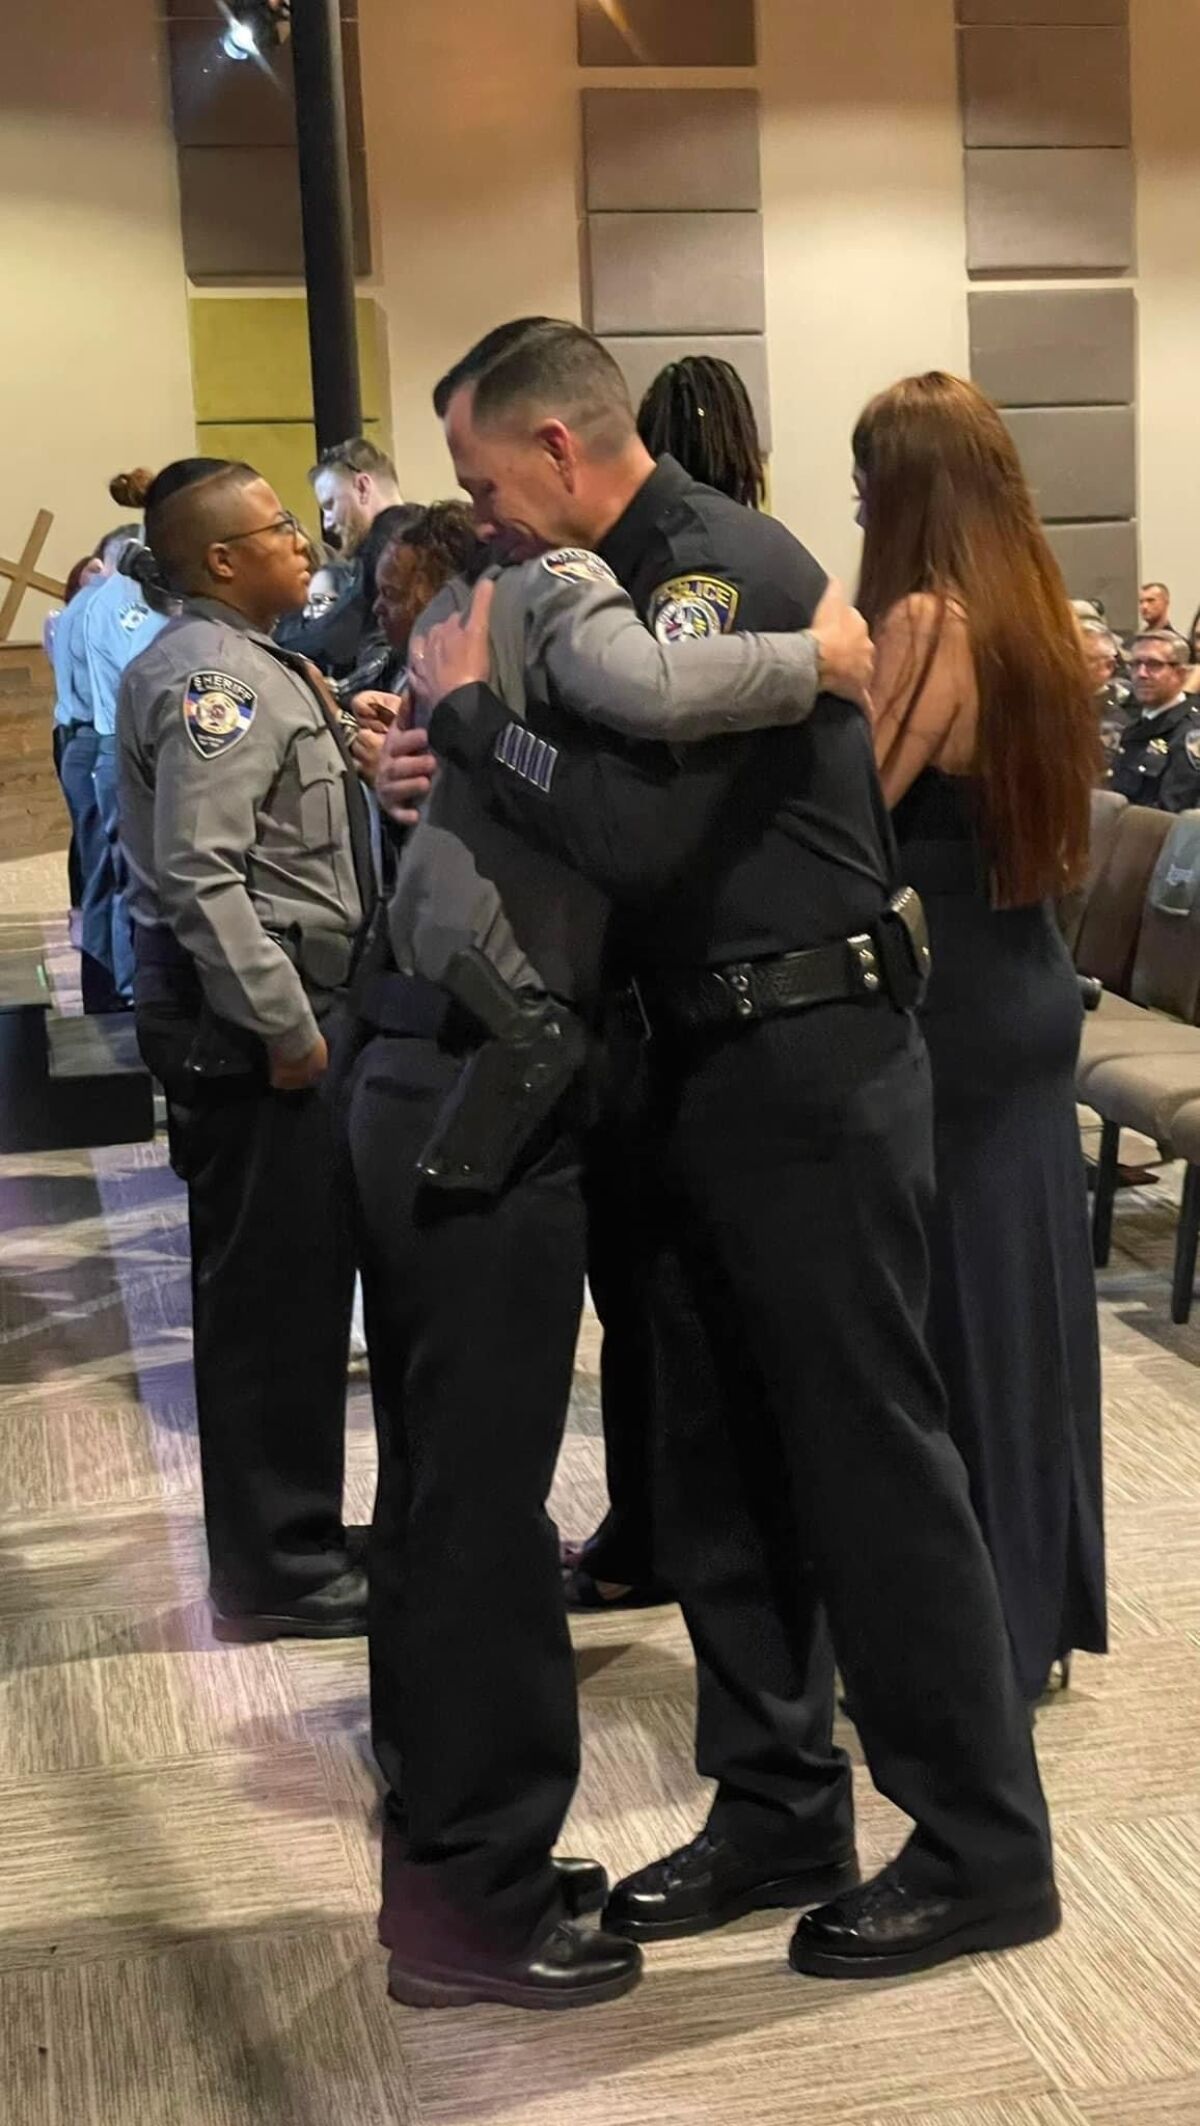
(215, 609)
(1153, 715)
(623, 546)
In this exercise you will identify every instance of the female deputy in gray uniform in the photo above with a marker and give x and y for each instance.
(243, 824)
(473, 1268)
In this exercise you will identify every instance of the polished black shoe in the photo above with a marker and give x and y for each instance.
(336, 1611)
(584, 1886)
(708, 1884)
(883, 1930)
(575, 1967)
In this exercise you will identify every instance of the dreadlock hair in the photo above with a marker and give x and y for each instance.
(698, 410)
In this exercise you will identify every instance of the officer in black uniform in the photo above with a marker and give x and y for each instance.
(473, 1260)
(243, 823)
(776, 972)
(1158, 758)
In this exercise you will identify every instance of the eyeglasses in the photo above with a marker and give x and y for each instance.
(1150, 664)
(285, 523)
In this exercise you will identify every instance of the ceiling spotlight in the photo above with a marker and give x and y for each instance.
(253, 27)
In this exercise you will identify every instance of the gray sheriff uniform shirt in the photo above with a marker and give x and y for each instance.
(234, 799)
(564, 621)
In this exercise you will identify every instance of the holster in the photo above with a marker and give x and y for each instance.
(534, 1050)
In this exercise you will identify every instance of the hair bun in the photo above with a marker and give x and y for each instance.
(129, 489)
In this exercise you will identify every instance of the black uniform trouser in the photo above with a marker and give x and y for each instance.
(797, 1158)
(619, 1148)
(472, 1310)
(272, 1284)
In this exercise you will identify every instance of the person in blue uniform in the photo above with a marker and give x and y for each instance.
(116, 624)
(776, 961)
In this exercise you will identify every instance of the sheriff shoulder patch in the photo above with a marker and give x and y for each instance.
(693, 609)
(578, 565)
(1192, 746)
(218, 710)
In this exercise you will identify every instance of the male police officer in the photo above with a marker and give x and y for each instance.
(1157, 761)
(473, 1272)
(242, 821)
(777, 972)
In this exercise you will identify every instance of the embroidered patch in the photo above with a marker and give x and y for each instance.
(693, 609)
(578, 565)
(133, 617)
(523, 754)
(1192, 746)
(218, 710)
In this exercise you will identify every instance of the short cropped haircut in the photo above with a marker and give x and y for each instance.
(356, 454)
(1177, 649)
(545, 362)
(1154, 585)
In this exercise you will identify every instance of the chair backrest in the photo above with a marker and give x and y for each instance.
(1107, 807)
(1112, 921)
(1166, 969)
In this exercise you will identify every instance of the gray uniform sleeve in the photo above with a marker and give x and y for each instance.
(608, 668)
(205, 824)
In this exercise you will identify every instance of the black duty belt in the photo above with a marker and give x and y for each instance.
(887, 964)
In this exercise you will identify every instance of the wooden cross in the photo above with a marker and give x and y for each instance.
(24, 575)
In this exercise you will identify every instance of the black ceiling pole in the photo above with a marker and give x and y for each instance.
(328, 226)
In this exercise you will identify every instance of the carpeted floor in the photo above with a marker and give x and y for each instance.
(187, 1830)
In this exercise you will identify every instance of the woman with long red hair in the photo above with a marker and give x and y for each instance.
(987, 749)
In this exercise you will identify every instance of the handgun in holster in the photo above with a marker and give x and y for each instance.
(222, 1049)
(534, 1050)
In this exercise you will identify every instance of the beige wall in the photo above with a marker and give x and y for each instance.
(472, 130)
(93, 353)
(472, 142)
(1166, 66)
(866, 280)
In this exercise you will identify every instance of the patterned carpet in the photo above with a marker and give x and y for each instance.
(188, 1830)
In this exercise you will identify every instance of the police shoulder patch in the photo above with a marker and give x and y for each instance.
(693, 608)
(218, 710)
(134, 617)
(578, 565)
(1192, 745)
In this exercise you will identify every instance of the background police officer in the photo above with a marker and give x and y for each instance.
(242, 821)
(796, 1166)
(1158, 758)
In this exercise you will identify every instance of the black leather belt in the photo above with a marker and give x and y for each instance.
(888, 964)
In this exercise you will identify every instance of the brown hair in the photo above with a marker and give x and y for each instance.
(129, 489)
(949, 512)
(356, 454)
(548, 363)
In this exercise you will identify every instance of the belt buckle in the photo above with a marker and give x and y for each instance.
(864, 960)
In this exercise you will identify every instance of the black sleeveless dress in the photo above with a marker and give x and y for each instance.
(1013, 1310)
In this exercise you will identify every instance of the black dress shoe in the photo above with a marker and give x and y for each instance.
(708, 1884)
(572, 1968)
(584, 1886)
(336, 1611)
(884, 1930)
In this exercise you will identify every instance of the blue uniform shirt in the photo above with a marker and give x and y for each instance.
(73, 703)
(117, 626)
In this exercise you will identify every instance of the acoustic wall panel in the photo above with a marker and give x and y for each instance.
(240, 213)
(235, 132)
(1046, 88)
(671, 148)
(250, 358)
(1100, 561)
(1070, 11)
(1054, 346)
(641, 359)
(676, 273)
(1081, 461)
(1049, 210)
(666, 33)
